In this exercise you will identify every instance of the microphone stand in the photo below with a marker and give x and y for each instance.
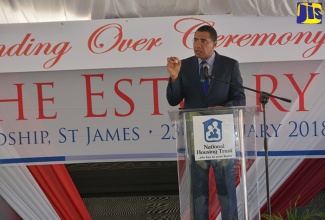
(264, 98)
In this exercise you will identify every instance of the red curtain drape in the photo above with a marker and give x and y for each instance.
(306, 181)
(59, 188)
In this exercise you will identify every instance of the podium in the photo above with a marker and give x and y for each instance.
(216, 154)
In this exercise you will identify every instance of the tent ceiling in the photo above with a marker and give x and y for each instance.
(23, 11)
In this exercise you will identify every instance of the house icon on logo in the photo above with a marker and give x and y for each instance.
(212, 130)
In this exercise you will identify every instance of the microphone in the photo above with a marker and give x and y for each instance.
(205, 74)
(206, 71)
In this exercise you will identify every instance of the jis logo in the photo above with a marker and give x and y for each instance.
(212, 130)
(309, 13)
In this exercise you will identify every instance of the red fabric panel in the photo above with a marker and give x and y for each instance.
(59, 188)
(307, 181)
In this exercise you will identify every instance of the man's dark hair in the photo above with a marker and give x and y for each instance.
(210, 30)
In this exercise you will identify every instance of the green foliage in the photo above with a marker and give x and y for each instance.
(292, 214)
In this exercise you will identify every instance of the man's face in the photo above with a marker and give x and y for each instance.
(203, 45)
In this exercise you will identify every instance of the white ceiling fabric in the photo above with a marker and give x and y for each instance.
(23, 11)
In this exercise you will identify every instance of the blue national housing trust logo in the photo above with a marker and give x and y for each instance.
(309, 13)
(212, 130)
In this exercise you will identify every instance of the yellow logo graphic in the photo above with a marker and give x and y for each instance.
(309, 13)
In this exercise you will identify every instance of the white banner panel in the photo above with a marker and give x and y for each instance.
(95, 90)
(114, 114)
(122, 114)
(146, 42)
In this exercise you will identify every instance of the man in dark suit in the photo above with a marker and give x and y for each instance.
(185, 83)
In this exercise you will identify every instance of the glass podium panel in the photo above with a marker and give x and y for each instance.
(217, 172)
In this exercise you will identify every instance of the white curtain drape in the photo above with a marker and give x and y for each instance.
(19, 188)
